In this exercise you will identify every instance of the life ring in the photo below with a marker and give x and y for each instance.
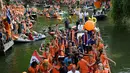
(94, 19)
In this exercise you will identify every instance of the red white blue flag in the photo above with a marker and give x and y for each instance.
(35, 57)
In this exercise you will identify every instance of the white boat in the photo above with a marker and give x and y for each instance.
(36, 38)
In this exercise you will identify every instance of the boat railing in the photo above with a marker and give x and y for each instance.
(5, 46)
(1, 45)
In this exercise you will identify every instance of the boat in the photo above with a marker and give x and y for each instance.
(25, 39)
(100, 17)
(46, 6)
(81, 33)
(5, 46)
(33, 16)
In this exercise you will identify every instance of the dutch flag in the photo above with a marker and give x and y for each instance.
(35, 57)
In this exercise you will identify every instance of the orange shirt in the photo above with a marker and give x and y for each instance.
(73, 36)
(70, 67)
(50, 59)
(83, 66)
(25, 28)
(103, 59)
(62, 47)
(42, 69)
(44, 54)
(92, 53)
(86, 58)
(54, 70)
(32, 70)
(52, 51)
(8, 28)
(105, 71)
(99, 71)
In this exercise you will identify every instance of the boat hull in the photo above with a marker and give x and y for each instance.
(21, 40)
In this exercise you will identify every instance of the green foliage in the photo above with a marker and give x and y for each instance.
(7, 1)
(120, 11)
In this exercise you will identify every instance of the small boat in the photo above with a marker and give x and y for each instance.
(98, 13)
(100, 17)
(33, 16)
(46, 6)
(26, 40)
(5, 46)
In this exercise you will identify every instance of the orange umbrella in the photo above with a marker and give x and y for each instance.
(89, 25)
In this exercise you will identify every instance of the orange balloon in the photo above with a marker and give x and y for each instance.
(97, 4)
(89, 25)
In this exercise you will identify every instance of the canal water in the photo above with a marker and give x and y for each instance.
(17, 59)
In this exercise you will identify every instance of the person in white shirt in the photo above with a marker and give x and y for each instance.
(86, 14)
(73, 70)
(80, 16)
(80, 27)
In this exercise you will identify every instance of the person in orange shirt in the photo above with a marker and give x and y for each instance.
(52, 50)
(62, 46)
(70, 65)
(99, 68)
(56, 67)
(8, 28)
(86, 57)
(102, 69)
(104, 59)
(32, 68)
(45, 67)
(91, 61)
(83, 65)
(73, 35)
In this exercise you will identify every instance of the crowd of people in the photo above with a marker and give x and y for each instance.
(15, 20)
(68, 52)
(52, 11)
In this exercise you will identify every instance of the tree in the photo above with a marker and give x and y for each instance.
(120, 12)
(7, 1)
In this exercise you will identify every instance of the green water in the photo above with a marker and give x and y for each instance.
(117, 37)
(18, 58)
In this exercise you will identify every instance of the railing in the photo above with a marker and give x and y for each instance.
(1, 45)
